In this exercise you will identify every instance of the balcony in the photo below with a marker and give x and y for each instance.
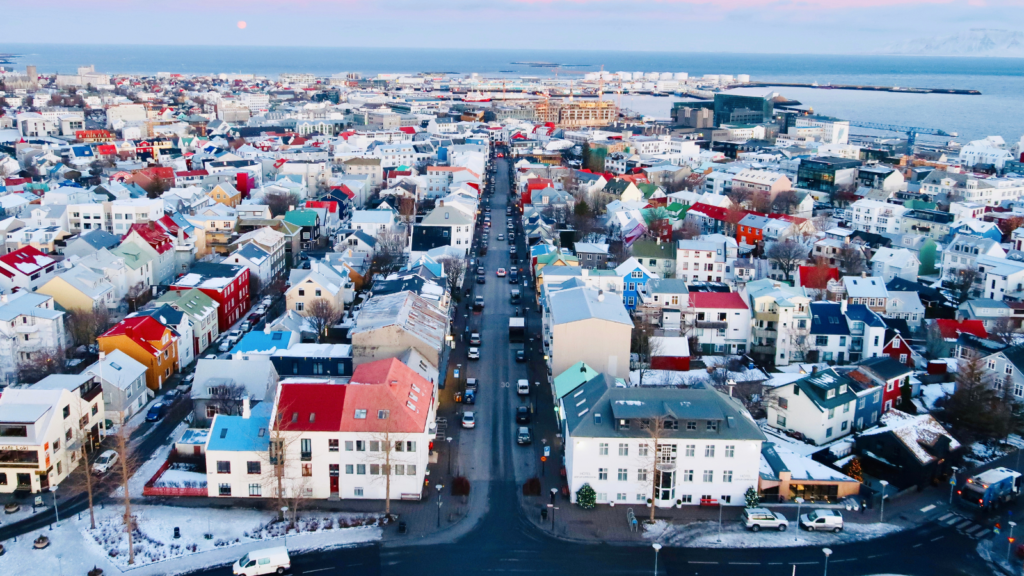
(712, 325)
(26, 328)
(767, 316)
(91, 393)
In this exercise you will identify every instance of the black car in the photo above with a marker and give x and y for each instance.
(520, 355)
(522, 415)
(481, 279)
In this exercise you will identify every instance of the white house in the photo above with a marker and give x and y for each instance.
(820, 406)
(721, 321)
(890, 263)
(29, 324)
(373, 222)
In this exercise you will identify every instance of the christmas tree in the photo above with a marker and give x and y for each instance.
(853, 470)
(586, 497)
(752, 498)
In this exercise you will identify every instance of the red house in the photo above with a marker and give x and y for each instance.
(951, 329)
(534, 184)
(227, 284)
(897, 348)
(750, 230)
(673, 353)
(816, 277)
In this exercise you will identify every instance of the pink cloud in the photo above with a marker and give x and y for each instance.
(735, 4)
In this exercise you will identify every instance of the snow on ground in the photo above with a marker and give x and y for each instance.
(181, 479)
(75, 549)
(151, 466)
(931, 393)
(25, 511)
(735, 535)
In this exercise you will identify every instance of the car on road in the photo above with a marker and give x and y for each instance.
(259, 562)
(501, 237)
(224, 347)
(104, 462)
(469, 397)
(267, 301)
(511, 238)
(172, 396)
(480, 270)
(481, 279)
(818, 520)
(522, 415)
(189, 379)
(510, 225)
(500, 272)
(260, 311)
(474, 353)
(156, 412)
(474, 339)
(478, 304)
(468, 420)
(470, 384)
(520, 355)
(757, 518)
(234, 336)
(513, 277)
(523, 387)
(246, 326)
(210, 357)
(523, 437)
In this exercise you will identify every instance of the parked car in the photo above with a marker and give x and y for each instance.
(523, 437)
(156, 412)
(819, 520)
(468, 420)
(268, 301)
(104, 462)
(522, 415)
(266, 561)
(513, 277)
(757, 518)
(172, 396)
(469, 397)
(479, 303)
(246, 326)
(474, 339)
(480, 271)
(474, 353)
(501, 237)
(501, 272)
(481, 279)
(234, 336)
(520, 355)
(224, 347)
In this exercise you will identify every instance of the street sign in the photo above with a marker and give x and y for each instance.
(547, 450)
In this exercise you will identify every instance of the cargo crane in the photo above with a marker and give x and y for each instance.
(910, 131)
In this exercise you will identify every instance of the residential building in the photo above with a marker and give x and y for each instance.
(30, 324)
(721, 322)
(258, 262)
(373, 222)
(226, 194)
(891, 375)
(149, 342)
(782, 321)
(659, 257)
(592, 326)
(634, 280)
(124, 385)
(26, 269)
(931, 223)
(908, 450)
(81, 288)
(889, 263)
(867, 290)
(225, 284)
(273, 243)
(821, 406)
(387, 326)
(595, 255)
(320, 281)
(221, 387)
(875, 216)
(201, 311)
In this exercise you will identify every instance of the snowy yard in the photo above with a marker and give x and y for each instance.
(76, 548)
(735, 535)
(932, 393)
(151, 466)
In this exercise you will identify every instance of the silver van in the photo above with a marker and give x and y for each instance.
(827, 520)
(757, 518)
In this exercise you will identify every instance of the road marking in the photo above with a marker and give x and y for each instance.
(974, 528)
(802, 563)
(875, 556)
(775, 563)
(745, 563)
(944, 518)
(918, 545)
(953, 520)
(928, 508)
(964, 523)
(318, 570)
(982, 533)
(699, 562)
(937, 538)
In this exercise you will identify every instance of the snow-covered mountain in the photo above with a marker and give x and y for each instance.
(974, 42)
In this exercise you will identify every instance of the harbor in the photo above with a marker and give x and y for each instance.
(896, 89)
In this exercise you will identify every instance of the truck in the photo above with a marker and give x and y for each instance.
(991, 488)
(517, 336)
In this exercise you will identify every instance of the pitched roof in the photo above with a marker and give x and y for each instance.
(816, 386)
(917, 433)
(577, 304)
(951, 329)
(310, 407)
(717, 300)
(828, 319)
(864, 287)
(27, 261)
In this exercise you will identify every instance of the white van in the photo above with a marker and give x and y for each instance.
(523, 387)
(266, 561)
(827, 520)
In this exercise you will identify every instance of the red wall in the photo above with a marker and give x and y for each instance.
(677, 363)
(234, 303)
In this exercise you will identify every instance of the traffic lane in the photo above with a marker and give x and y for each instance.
(364, 559)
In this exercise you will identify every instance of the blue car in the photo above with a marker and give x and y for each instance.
(156, 412)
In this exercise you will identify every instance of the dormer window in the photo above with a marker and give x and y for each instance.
(831, 394)
(712, 426)
(842, 388)
(623, 424)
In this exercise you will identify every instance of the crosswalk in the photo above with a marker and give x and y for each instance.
(963, 525)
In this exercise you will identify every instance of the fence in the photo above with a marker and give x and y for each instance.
(151, 490)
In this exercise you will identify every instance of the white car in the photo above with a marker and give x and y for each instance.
(224, 346)
(268, 301)
(468, 420)
(104, 462)
(234, 336)
(474, 353)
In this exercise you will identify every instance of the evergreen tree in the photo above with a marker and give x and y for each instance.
(906, 397)
(586, 497)
(853, 470)
(752, 497)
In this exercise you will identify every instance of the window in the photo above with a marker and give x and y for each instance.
(831, 413)
(602, 449)
(691, 425)
(357, 492)
(623, 449)
(709, 451)
(56, 445)
(383, 414)
(375, 469)
(360, 445)
(642, 450)
(780, 420)
(374, 445)
(602, 473)
(306, 449)
(332, 445)
(67, 435)
(641, 475)
(623, 475)
(687, 475)
(360, 415)
(730, 451)
(410, 469)
(224, 490)
(691, 449)
(821, 340)
(299, 306)
(361, 469)
(828, 432)
(223, 467)
(686, 498)
(727, 476)
(348, 445)
(349, 468)
(709, 476)
(843, 426)
(602, 497)
(712, 426)
(253, 467)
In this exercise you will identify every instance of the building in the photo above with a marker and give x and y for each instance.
(81, 288)
(320, 281)
(867, 290)
(257, 261)
(720, 321)
(889, 263)
(30, 324)
(45, 428)
(782, 321)
(891, 375)
(634, 280)
(820, 407)
(388, 326)
(736, 109)
(443, 226)
(124, 385)
(201, 311)
(659, 257)
(875, 216)
(592, 326)
(931, 223)
(26, 269)
(225, 284)
(704, 451)
(273, 243)
(908, 450)
(148, 342)
(786, 475)
(222, 387)
(827, 174)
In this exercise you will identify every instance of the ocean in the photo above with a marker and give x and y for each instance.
(998, 111)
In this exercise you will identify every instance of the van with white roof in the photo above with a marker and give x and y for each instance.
(266, 561)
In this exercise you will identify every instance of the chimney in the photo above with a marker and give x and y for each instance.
(245, 408)
(814, 369)
(102, 355)
(266, 327)
(600, 295)
(128, 331)
(585, 272)
(863, 274)
(731, 384)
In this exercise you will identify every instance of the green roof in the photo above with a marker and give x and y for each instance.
(194, 303)
(577, 374)
(651, 249)
(301, 217)
(647, 189)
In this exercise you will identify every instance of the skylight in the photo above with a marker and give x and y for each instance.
(115, 366)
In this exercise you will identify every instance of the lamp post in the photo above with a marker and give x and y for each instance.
(656, 547)
(53, 491)
(799, 502)
(449, 440)
(439, 487)
(284, 516)
(1009, 544)
(881, 517)
(828, 552)
(952, 484)
(720, 520)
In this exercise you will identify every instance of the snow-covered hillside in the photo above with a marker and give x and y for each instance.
(975, 42)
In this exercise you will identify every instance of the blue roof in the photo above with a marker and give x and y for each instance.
(828, 319)
(262, 343)
(861, 313)
(238, 434)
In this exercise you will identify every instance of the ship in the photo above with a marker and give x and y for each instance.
(476, 97)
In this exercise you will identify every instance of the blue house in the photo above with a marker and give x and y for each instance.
(830, 334)
(264, 344)
(977, 228)
(634, 281)
(869, 401)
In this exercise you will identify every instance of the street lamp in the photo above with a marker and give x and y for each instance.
(828, 552)
(1009, 544)
(952, 485)
(53, 490)
(799, 502)
(439, 487)
(284, 516)
(449, 440)
(720, 520)
(881, 517)
(656, 547)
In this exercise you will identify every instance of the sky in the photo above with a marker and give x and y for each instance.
(752, 26)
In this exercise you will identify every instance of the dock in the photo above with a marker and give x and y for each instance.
(897, 89)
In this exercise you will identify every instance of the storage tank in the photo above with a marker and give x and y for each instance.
(638, 75)
(724, 78)
(745, 78)
(648, 85)
(627, 76)
(681, 76)
(711, 78)
(665, 76)
(591, 76)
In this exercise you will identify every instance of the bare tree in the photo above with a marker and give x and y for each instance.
(850, 260)
(645, 345)
(38, 365)
(652, 461)
(977, 409)
(287, 489)
(128, 463)
(761, 202)
(1008, 225)
(787, 255)
(228, 398)
(84, 480)
(935, 345)
(137, 295)
(381, 448)
(738, 195)
(822, 222)
(1003, 330)
(455, 269)
(390, 253)
(963, 279)
(784, 202)
(690, 229)
(322, 314)
(85, 325)
(281, 202)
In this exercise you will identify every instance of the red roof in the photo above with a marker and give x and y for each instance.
(817, 278)
(311, 407)
(951, 329)
(140, 329)
(187, 173)
(539, 183)
(387, 384)
(106, 149)
(345, 190)
(330, 205)
(407, 129)
(717, 300)
(16, 181)
(155, 237)
(168, 224)
(27, 261)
